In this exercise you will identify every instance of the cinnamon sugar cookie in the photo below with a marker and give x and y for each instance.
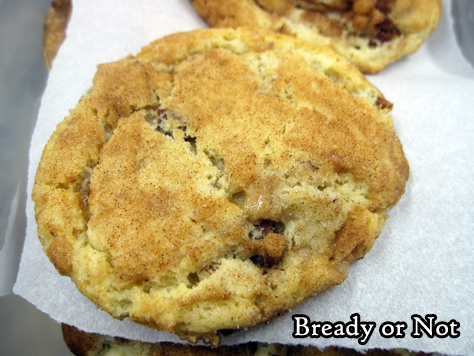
(370, 33)
(217, 179)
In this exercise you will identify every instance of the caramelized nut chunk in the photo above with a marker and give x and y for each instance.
(269, 251)
(386, 31)
(383, 104)
(266, 260)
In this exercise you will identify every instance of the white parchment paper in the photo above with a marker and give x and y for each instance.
(422, 262)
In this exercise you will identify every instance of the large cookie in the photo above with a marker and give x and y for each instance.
(217, 179)
(370, 33)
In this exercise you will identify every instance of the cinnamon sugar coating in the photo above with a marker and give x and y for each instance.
(217, 179)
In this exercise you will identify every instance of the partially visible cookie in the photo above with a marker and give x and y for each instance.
(90, 344)
(218, 179)
(370, 33)
(55, 24)
(87, 344)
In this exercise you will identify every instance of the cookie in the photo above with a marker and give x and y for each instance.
(217, 179)
(370, 33)
(88, 344)
(55, 24)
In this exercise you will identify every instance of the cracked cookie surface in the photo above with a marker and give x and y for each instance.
(217, 179)
(370, 33)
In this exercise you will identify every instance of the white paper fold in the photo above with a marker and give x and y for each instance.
(422, 262)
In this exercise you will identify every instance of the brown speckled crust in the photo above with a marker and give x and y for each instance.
(370, 33)
(87, 344)
(217, 179)
(55, 24)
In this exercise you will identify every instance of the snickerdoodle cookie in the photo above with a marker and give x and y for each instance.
(217, 179)
(370, 33)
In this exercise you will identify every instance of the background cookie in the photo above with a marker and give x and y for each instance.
(87, 344)
(217, 179)
(370, 33)
(55, 24)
